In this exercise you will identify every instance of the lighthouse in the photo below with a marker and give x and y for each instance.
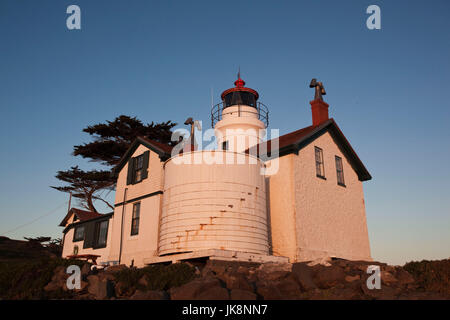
(223, 204)
(240, 119)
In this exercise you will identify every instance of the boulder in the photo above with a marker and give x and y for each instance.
(289, 288)
(326, 277)
(324, 261)
(100, 289)
(236, 281)
(303, 275)
(404, 277)
(85, 270)
(273, 271)
(122, 290)
(195, 288)
(385, 293)
(148, 295)
(352, 278)
(268, 290)
(214, 293)
(387, 278)
(116, 268)
(238, 294)
(143, 281)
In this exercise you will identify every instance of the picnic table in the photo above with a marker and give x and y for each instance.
(86, 257)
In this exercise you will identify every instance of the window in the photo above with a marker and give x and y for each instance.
(138, 165)
(78, 234)
(101, 233)
(340, 171)
(138, 168)
(225, 145)
(135, 218)
(320, 169)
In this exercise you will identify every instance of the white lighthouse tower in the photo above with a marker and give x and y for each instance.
(240, 119)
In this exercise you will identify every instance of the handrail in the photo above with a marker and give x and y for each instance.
(261, 110)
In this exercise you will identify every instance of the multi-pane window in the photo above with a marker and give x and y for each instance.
(135, 218)
(101, 232)
(340, 171)
(79, 234)
(320, 169)
(138, 165)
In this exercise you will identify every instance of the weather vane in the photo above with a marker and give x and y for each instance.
(319, 89)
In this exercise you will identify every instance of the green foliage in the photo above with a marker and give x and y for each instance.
(26, 280)
(158, 277)
(431, 275)
(110, 142)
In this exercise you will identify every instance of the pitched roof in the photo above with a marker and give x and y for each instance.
(294, 141)
(163, 150)
(82, 215)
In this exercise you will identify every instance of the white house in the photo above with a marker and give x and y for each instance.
(297, 197)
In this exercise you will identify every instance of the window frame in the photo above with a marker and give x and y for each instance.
(75, 238)
(225, 145)
(97, 233)
(138, 170)
(340, 178)
(134, 218)
(319, 163)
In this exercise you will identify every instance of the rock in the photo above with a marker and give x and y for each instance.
(214, 293)
(100, 289)
(237, 281)
(143, 281)
(116, 268)
(274, 267)
(303, 275)
(289, 288)
(85, 270)
(324, 261)
(83, 286)
(387, 278)
(268, 291)
(52, 286)
(404, 277)
(148, 295)
(238, 294)
(243, 270)
(326, 277)
(352, 278)
(195, 288)
(121, 290)
(273, 271)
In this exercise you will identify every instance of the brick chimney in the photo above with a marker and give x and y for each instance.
(319, 110)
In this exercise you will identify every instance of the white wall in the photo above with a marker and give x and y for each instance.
(330, 219)
(145, 244)
(69, 245)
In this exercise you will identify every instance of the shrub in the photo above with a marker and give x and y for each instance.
(431, 275)
(26, 280)
(159, 277)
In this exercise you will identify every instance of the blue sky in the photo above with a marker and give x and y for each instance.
(159, 60)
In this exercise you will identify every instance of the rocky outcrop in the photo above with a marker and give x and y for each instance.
(222, 280)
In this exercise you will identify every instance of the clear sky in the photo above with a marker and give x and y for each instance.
(159, 60)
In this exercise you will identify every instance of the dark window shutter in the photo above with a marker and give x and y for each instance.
(145, 164)
(89, 234)
(130, 171)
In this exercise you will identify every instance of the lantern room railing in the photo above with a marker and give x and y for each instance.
(261, 110)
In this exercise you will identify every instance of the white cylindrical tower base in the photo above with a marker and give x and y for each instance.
(213, 206)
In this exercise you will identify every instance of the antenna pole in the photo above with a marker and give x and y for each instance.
(70, 201)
